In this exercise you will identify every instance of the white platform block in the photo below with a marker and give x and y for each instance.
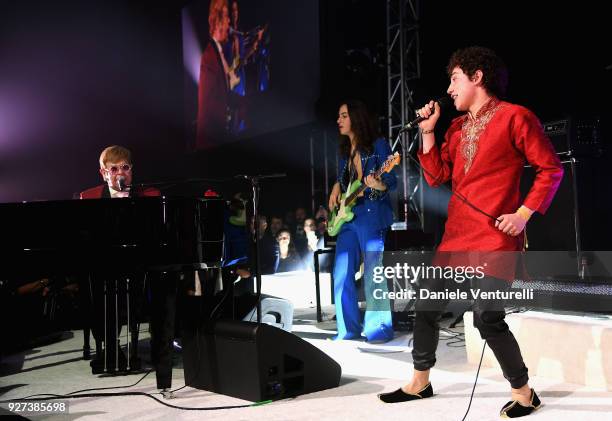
(562, 347)
(297, 287)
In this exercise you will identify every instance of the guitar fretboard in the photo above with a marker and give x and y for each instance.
(361, 188)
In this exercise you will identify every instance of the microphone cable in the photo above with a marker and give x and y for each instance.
(484, 345)
(452, 192)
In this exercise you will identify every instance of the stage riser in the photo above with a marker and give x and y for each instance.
(565, 348)
(297, 287)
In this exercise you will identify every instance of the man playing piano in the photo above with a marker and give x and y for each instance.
(116, 171)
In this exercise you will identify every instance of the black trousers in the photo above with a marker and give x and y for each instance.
(489, 318)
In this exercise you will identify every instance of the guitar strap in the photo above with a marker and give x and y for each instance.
(348, 173)
(352, 171)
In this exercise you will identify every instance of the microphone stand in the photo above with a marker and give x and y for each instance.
(404, 171)
(254, 180)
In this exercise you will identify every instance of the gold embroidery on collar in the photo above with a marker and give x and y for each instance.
(472, 128)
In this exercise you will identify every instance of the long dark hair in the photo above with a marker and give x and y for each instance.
(361, 125)
(291, 251)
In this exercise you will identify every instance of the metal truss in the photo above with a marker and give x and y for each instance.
(403, 72)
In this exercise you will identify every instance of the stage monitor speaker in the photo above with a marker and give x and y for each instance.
(275, 311)
(577, 215)
(575, 136)
(255, 362)
(559, 228)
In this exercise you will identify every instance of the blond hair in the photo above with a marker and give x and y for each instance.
(115, 153)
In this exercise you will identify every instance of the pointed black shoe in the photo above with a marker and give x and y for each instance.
(400, 396)
(514, 409)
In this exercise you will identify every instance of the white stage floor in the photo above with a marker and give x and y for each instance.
(367, 370)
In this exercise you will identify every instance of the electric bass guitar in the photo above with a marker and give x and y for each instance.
(343, 212)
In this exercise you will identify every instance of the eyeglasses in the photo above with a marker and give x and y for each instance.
(116, 168)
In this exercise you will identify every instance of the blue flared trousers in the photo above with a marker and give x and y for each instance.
(355, 240)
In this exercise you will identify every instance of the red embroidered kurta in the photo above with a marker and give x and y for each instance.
(485, 157)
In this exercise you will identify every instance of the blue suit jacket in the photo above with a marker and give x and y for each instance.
(374, 209)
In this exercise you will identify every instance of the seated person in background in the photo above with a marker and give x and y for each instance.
(298, 235)
(266, 245)
(116, 171)
(322, 213)
(321, 218)
(321, 226)
(287, 259)
(312, 235)
(289, 221)
(236, 244)
(24, 313)
(276, 223)
(315, 232)
(311, 243)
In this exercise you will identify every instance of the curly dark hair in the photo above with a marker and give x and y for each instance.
(494, 71)
(362, 126)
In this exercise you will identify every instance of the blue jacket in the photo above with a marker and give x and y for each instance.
(374, 208)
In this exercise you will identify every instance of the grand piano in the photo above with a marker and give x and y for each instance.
(150, 233)
(109, 238)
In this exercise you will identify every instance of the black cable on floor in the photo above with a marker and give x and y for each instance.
(116, 387)
(88, 390)
(148, 395)
(454, 338)
(510, 311)
(475, 381)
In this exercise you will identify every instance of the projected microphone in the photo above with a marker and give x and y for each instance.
(443, 102)
(121, 183)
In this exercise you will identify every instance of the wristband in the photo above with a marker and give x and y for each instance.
(523, 213)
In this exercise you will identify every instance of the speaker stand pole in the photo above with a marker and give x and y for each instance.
(581, 260)
(255, 185)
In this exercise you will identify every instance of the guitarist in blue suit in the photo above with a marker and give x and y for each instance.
(361, 155)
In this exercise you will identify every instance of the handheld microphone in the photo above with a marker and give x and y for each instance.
(443, 102)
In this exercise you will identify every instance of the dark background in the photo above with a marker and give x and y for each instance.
(78, 76)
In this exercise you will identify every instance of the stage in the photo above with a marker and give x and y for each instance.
(366, 370)
(245, 118)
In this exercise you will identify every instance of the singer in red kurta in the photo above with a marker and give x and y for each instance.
(483, 153)
(484, 156)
